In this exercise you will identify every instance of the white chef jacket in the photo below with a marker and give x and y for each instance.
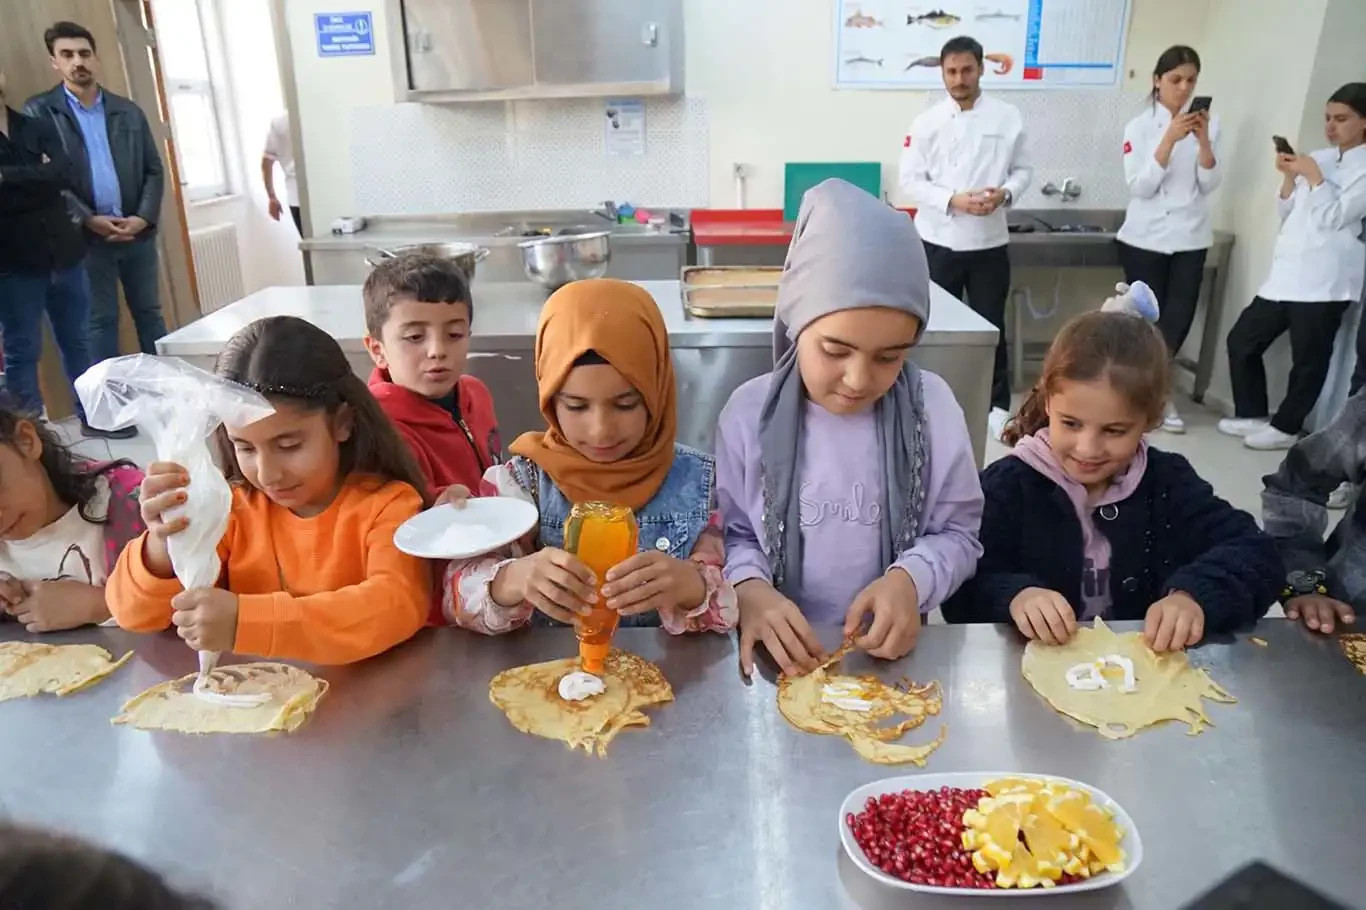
(949, 150)
(280, 147)
(1320, 254)
(1168, 207)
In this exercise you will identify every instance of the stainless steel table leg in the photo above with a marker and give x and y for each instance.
(704, 256)
(1210, 340)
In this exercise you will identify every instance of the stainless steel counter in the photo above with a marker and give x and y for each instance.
(711, 356)
(409, 789)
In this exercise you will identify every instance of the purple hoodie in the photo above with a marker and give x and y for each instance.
(841, 492)
(1037, 452)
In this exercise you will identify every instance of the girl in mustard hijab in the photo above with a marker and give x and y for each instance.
(606, 385)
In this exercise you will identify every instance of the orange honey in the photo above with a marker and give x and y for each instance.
(601, 535)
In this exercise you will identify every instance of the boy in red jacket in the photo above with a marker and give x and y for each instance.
(418, 312)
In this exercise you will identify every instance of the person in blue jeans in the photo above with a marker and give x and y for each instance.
(41, 249)
(118, 186)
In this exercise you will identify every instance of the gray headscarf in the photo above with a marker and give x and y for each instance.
(849, 251)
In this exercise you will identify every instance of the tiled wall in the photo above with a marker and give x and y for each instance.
(421, 159)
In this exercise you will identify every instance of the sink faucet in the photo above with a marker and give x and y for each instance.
(1069, 190)
(608, 211)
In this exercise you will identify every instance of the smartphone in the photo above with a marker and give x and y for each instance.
(1282, 146)
(1200, 103)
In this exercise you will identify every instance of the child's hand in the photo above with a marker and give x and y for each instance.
(895, 605)
(50, 606)
(1319, 612)
(163, 488)
(767, 616)
(653, 581)
(11, 592)
(457, 494)
(1045, 615)
(1174, 623)
(551, 580)
(206, 618)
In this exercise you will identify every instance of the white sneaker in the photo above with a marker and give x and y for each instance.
(996, 422)
(1242, 426)
(1270, 439)
(1341, 498)
(1171, 421)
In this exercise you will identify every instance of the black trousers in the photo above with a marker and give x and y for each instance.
(1312, 326)
(1175, 279)
(1359, 371)
(297, 214)
(985, 276)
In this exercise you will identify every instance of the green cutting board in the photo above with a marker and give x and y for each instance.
(801, 176)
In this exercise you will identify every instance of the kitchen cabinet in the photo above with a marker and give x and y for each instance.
(487, 50)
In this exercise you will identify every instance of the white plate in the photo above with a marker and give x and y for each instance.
(483, 525)
(972, 780)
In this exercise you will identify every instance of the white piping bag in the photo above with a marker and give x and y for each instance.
(180, 407)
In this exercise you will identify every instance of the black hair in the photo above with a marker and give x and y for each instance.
(284, 357)
(420, 276)
(66, 29)
(1353, 94)
(1170, 59)
(963, 44)
(75, 480)
(589, 359)
(56, 872)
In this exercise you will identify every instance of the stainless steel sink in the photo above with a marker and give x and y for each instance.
(1064, 237)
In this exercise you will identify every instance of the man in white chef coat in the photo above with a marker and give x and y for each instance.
(962, 165)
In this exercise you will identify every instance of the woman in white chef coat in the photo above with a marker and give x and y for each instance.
(1171, 167)
(1317, 271)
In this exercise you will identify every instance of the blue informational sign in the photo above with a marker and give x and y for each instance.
(345, 34)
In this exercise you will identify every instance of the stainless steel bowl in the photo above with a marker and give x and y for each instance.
(465, 255)
(552, 262)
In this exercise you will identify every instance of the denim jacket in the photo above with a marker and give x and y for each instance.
(670, 522)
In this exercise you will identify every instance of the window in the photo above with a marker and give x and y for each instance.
(190, 97)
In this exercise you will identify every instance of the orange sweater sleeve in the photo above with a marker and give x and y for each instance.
(352, 622)
(138, 600)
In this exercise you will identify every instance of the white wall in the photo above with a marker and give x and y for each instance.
(1259, 59)
(764, 68)
(247, 82)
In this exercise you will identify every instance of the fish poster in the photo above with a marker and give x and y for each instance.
(1027, 44)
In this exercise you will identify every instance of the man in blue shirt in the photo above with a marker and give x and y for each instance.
(118, 189)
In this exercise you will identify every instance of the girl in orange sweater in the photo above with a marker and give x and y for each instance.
(310, 571)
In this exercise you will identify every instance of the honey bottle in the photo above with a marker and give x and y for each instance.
(601, 535)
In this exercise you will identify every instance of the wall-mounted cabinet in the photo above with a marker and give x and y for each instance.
(488, 50)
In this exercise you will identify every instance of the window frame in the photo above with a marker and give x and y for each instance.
(176, 86)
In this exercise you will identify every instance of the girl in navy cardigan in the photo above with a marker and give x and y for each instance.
(1085, 519)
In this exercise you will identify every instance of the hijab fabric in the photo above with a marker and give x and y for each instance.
(849, 251)
(622, 324)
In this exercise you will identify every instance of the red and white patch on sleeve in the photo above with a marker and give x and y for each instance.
(1128, 146)
(906, 143)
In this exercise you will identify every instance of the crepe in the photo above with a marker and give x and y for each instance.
(1168, 687)
(172, 705)
(1354, 646)
(530, 698)
(28, 668)
(803, 701)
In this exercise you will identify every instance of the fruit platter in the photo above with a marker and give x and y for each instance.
(981, 834)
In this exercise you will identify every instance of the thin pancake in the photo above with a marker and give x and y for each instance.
(29, 668)
(172, 705)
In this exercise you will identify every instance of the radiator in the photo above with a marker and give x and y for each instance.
(217, 266)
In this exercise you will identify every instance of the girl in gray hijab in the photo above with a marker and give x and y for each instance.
(846, 477)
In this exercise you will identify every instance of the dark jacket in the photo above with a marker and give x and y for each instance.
(136, 161)
(1295, 505)
(1172, 534)
(38, 232)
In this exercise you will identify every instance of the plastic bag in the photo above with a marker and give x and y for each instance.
(179, 407)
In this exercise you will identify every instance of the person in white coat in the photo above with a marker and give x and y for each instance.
(963, 163)
(1317, 271)
(1171, 166)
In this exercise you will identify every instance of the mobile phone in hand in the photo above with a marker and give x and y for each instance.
(1282, 146)
(1200, 104)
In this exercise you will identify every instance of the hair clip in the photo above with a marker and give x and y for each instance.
(315, 392)
(1135, 299)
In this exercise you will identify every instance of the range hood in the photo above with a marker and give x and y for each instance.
(500, 50)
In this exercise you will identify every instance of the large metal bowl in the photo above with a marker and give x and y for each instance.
(464, 255)
(552, 262)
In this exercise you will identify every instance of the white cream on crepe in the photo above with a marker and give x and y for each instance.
(579, 685)
(208, 660)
